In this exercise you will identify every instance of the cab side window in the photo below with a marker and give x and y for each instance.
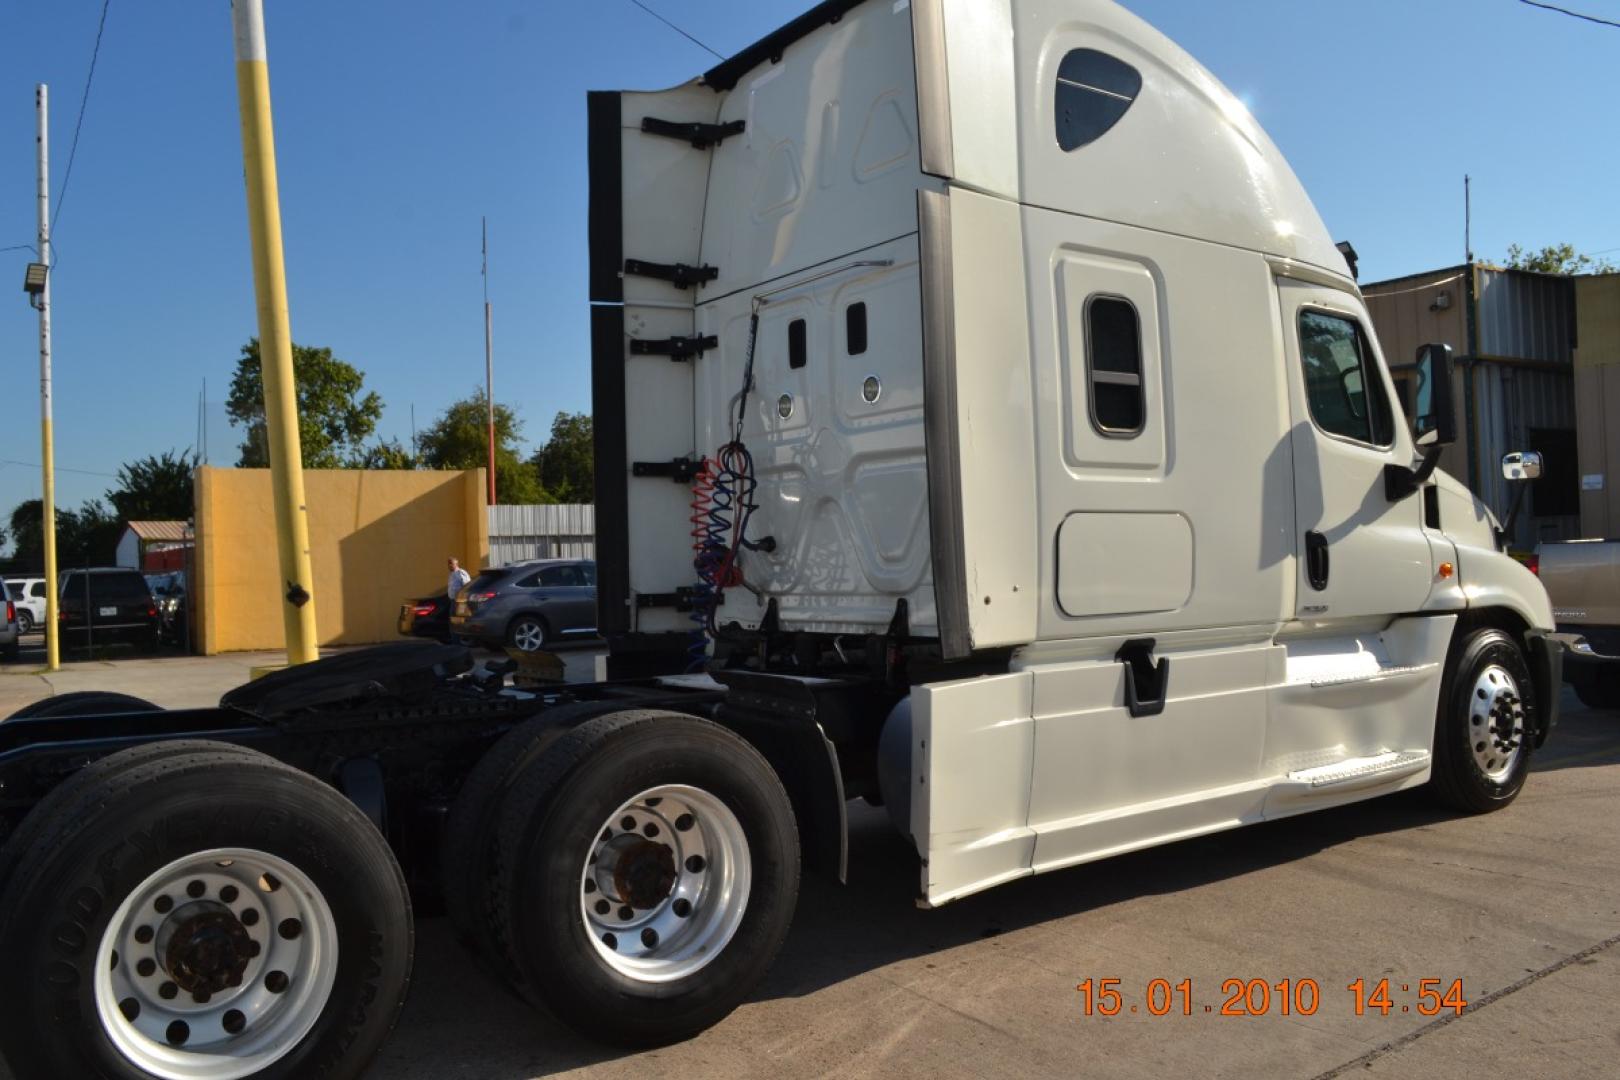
(1342, 381)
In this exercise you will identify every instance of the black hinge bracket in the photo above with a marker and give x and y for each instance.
(682, 599)
(681, 470)
(1146, 684)
(701, 136)
(679, 275)
(676, 348)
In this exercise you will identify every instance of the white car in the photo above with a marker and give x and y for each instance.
(29, 596)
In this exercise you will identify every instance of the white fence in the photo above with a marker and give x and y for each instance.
(518, 533)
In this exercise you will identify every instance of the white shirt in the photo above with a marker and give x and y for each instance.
(458, 581)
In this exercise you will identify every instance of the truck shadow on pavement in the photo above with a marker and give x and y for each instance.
(843, 931)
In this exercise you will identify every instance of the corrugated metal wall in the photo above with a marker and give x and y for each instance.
(518, 533)
(1525, 316)
(1509, 401)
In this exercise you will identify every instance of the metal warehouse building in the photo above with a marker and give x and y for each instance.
(1514, 336)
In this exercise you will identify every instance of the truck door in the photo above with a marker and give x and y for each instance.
(1360, 553)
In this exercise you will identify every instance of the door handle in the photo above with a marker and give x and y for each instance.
(1316, 560)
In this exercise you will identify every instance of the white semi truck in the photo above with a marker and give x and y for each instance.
(987, 427)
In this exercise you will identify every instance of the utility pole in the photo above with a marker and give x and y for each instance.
(53, 656)
(275, 332)
(489, 362)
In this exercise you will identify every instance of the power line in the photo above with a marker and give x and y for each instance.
(1571, 14)
(67, 174)
(59, 468)
(675, 28)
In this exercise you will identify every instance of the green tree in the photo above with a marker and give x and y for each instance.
(336, 414)
(460, 440)
(87, 536)
(386, 454)
(1556, 259)
(155, 488)
(566, 465)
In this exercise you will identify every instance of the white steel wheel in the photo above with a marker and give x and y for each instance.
(1496, 728)
(665, 884)
(216, 966)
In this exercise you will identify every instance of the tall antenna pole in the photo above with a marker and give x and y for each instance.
(53, 658)
(1468, 220)
(489, 361)
(275, 333)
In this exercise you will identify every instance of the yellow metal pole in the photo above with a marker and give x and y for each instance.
(47, 449)
(275, 334)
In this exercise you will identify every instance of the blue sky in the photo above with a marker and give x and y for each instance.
(398, 124)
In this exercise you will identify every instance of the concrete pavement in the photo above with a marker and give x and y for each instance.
(1522, 906)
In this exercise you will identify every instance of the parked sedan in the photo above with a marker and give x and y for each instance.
(527, 607)
(428, 617)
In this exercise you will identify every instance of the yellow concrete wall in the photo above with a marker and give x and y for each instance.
(377, 538)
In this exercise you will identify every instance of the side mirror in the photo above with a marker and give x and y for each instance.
(1434, 422)
(1521, 465)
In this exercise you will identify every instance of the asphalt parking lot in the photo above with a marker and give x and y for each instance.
(1522, 906)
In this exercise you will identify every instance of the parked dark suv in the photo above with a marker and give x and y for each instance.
(97, 607)
(529, 606)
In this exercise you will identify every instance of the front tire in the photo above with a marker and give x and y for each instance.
(647, 872)
(1485, 730)
(212, 915)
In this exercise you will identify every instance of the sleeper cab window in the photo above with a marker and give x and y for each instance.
(1094, 90)
(1114, 366)
(798, 351)
(855, 328)
(1342, 382)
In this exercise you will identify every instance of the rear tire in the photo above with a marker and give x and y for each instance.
(1485, 730)
(528, 634)
(25, 621)
(84, 703)
(141, 859)
(701, 929)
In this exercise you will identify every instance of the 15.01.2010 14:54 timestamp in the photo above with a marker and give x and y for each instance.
(1284, 997)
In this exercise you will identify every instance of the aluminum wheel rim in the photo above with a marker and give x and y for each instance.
(236, 945)
(528, 636)
(1496, 723)
(665, 884)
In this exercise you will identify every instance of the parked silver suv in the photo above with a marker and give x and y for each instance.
(528, 606)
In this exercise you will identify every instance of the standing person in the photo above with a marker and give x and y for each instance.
(459, 579)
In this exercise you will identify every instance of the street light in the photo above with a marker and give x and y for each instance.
(34, 282)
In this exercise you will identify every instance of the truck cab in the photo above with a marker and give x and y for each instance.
(1052, 384)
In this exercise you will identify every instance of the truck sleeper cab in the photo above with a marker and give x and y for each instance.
(986, 426)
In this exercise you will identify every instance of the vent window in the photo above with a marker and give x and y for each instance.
(797, 349)
(1114, 366)
(1094, 90)
(855, 328)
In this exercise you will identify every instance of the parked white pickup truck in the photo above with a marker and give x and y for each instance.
(1583, 579)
